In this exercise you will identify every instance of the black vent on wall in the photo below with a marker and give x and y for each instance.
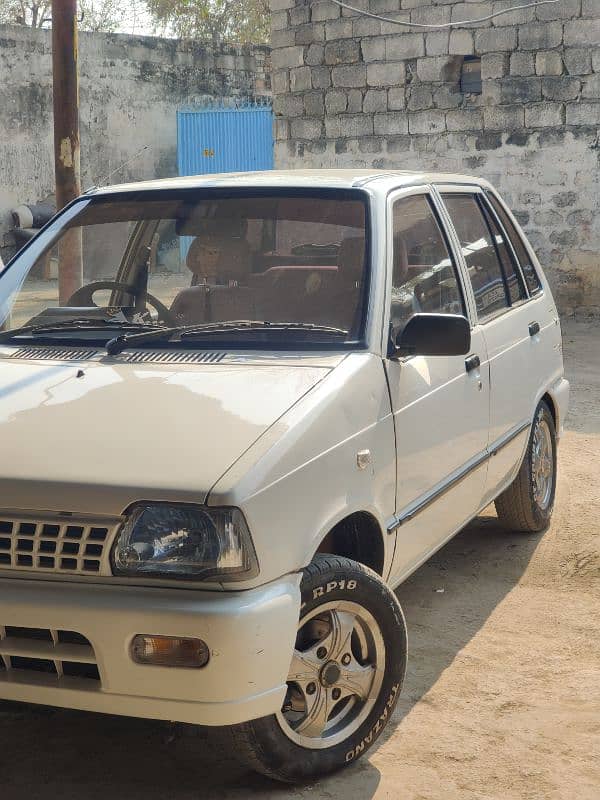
(470, 75)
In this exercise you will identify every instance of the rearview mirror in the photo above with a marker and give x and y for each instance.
(432, 335)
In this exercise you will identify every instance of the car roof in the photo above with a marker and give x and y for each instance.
(300, 178)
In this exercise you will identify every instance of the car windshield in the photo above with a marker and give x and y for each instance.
(194, 267)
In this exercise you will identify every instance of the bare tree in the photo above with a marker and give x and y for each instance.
(33, 13)
(94, 15)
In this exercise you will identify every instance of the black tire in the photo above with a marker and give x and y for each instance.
(262, 744)
(517, 507)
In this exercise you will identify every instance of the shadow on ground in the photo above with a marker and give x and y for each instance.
(77, 755)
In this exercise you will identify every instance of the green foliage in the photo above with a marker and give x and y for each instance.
(219, 20)
(94, 15)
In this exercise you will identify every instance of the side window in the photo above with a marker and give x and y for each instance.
(516, 288)
(531, 278)
(424, 276)
(481, 256)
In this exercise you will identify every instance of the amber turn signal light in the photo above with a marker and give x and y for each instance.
(169, 651)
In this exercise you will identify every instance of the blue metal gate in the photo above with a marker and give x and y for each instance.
(224, 139)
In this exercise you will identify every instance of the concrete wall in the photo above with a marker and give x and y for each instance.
(349, 90)
(131, 88)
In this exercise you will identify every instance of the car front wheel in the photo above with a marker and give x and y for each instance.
(345, 676)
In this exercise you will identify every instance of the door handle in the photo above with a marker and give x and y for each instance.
(472, 362)
(534, 328)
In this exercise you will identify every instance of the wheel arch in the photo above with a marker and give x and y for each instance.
(549, 400)
(358, 536)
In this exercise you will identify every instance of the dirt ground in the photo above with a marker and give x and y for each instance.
(502, 697)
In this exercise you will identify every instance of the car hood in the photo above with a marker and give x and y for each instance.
(93, 437)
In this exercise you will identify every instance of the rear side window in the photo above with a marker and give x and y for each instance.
(529, 273)
(514, 281)
(480, 254)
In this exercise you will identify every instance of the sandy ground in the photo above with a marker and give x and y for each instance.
(502, 698)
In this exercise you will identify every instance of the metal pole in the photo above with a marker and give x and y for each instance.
(66, 138)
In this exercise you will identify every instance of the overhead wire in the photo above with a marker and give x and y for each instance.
(440, 25)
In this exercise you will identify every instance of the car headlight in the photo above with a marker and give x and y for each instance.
(185, 541)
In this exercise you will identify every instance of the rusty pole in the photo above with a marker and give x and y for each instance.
(66, 138)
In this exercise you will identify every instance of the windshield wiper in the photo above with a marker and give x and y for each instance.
(119, 343)
(72, 324)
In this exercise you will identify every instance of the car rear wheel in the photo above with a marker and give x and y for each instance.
(345, 676)
(528, 502)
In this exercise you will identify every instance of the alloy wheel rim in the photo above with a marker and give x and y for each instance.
(335, 676)
(542, 464)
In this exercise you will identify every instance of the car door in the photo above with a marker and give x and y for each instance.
(507, 320)
(440, 404)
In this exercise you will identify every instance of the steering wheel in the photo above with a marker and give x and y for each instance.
(85, 297)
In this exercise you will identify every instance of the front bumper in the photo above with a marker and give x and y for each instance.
(250, 635)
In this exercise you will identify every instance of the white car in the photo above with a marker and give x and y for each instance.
(251, 407)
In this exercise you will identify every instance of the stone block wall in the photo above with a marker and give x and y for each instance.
(354, 91)
(130, 87)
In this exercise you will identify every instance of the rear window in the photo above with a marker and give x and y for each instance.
(527, 268)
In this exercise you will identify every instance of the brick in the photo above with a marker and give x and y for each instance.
(306, 128)
(324, 10)
(439, 69)
(300, 79)
(287, 105)
(519, 17)
(386, 74)
(288, 57)
(365, 26)
(464, 120)
(396, 99)
(591, 87)
(563, 10)
(398, 144)
(548, 62)
(299, 15)
(495, 40)
(336, 101)
(313, 104)
(410, 45)
(521, 90)
(349, 77)
(355, 101)
(596, 60)
(280, 5)
(390, 123)
(315, 54)
(432, 121)
(375, 100)
(321, 77)
(389, 29)
(282, 129)
(283, 38)
(307, 34)
(280, 21)
(461, 43)
(589, 8)
(384, 6)
(437, 43)
(466, 11)
(544, 115)
(373, 49)
(494, 65)
(338, 29)
(344, 51)
(348, 125)
(578, 61)
(431, 15)
(371, 144)
(522, 64)
(447, 97)
(583, 114)
(419, 97)
(548, 218)
(280, 81)
(540, 36)
(561, 89)
(504, 117)
(579, 33)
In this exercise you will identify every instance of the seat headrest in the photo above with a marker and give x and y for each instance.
(351, 259)
(219, 259)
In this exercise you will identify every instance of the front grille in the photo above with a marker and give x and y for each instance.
(62, 544)
(62, 654)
